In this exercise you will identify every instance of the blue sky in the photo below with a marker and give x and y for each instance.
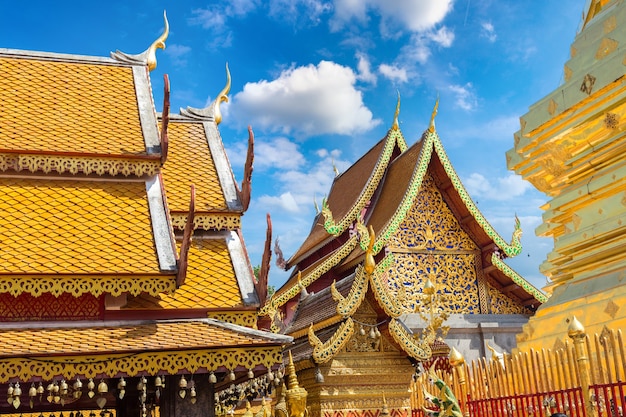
(318, 79)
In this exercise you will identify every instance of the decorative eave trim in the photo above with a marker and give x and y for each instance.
(512, 249)
(379, 288)
(147, 114)
(347, 306)
(138, 363)
(100, 165)
(280, 300)
(409, 197)
(323, 352)
(241, 266)
(134, 284)
(183, 258)
(316, 326)
(407, 342)
(163, 237)
(336, 228)
(516, 278)
(212, 221)
(222, 166)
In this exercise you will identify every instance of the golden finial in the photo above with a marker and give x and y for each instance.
(335, 168)
(158, 43)
(370, 262)
(293, 379)
(395, 125)
(385, 411)
(213, 110)
(455, 357)
(575, 328)
(303, 290)
(147, 57)
(317, 208)
(222, 96)
(431, 127)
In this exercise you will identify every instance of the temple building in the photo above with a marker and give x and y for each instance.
(571, 146)
(125, 285)
(398, 257)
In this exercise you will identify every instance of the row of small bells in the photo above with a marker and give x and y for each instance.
(62, 393)
(231, 397)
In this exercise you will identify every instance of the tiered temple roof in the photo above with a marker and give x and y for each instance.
(104, 272)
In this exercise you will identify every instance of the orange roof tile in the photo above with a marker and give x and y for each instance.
(210, 281)
(140, 336)
(189, 162)
(75, 227)
(53, 106)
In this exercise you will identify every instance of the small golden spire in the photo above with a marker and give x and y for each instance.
(431, 126)
(455, 357)
(395, 125)
(335, 168)
(575, 328)
(385, 411)
(317, 208)
(293, 379)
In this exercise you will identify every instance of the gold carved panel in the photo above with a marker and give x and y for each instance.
(431, 245)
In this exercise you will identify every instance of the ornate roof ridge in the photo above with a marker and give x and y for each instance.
(518, 279)
(510, 249)
(61, 57)
(336, 228)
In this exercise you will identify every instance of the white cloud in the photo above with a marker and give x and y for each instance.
(465, 97)
(442, 36)
(415, 16)
(500, 189)
(307, 101)
(284, 201)
(365, 72)
(277, 153)
(394, 73)
(280, 153)
(488, 31)
(418, 49)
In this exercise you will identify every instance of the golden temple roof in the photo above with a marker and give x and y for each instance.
(75, 227)
(210, 282)
(189, 162)
(123, 338)
(52, 106)
(90, 349)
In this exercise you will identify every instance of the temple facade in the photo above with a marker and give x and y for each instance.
(570, 146)
(396, 253)
(125, 287)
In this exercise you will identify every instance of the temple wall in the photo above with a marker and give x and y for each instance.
(470, 333)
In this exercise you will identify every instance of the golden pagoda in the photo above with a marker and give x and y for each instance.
(125, 286)
(397, 238)
(570, 146)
